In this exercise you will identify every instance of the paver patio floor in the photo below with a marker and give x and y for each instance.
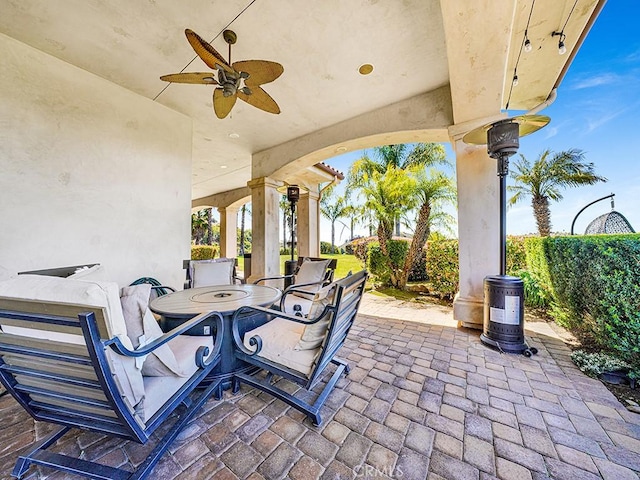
(424, 399)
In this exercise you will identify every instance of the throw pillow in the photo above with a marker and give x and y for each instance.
(314, 333)
(142, 328)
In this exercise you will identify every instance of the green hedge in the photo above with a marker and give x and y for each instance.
(442, 266)
(594, 284)
(203, 252)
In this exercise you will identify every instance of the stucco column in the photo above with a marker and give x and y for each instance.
(265, 228)
(228, 231)
(308, 225)
(478, 229)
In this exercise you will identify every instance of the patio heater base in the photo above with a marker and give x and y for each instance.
(504, 315)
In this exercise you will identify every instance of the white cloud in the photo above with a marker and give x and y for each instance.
(596, 81)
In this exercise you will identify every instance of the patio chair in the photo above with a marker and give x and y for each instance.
(300, 349)
(311, 274)
(207, 273)
(66, 357)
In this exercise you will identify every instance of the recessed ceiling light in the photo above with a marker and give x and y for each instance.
(341, 149)
(365, 69)
(234, 135)
(223, 166)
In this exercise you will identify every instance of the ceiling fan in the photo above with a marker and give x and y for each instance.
(235, 80)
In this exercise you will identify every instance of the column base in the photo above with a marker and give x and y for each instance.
(468, 311)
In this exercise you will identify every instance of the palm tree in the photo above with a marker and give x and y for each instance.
(333, 208)
(546, 177)
(285, 206)
(389, 196)
(243, 213)
(433, 190)
(397, 157)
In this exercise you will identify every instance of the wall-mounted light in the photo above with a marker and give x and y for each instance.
(561, 47)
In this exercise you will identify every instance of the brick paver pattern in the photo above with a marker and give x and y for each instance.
(424, 399)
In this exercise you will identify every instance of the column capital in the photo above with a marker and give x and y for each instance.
(228, 210)
(266, 182)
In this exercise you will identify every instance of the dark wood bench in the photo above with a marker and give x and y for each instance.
(333, 313)
(56, 361)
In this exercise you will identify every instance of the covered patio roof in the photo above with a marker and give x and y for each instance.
(460, 55)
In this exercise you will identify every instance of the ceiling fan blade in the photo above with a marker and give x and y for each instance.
(206, 52)
(260, 71)
(206, 78)
(222, 105)
(260, 99)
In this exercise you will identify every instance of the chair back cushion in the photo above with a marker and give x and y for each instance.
(96, 294)
(312, 271)
(206, 273)
(314, 333)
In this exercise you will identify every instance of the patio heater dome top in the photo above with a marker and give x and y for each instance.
(612, 222)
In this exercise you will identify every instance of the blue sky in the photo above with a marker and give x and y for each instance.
(597, 111)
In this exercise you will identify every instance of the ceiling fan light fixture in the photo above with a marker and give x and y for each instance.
(231, 77)
(365, 69)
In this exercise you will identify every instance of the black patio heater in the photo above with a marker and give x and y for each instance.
(293, 195)
(503, 326)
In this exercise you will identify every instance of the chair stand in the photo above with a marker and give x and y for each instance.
(38, 454)
(311, 410)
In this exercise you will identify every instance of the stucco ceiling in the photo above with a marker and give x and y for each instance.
(412, 45)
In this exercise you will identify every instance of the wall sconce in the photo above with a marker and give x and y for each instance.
(561, 47)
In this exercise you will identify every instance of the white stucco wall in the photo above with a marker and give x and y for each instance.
(89, 172)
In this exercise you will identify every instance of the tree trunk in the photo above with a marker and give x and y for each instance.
(420, 237)
(541, 211)
(384, 235)
(333, 236)
(244, 209)
(209, 229)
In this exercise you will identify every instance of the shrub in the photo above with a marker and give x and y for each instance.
(595, 288)
(594, 364)
(203, 252)
(377, 263)
(516, 255)
(325, 247)
(398, 249)
(442, 267)
(360, 246)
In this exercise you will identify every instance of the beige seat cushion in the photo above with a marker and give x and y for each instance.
(80, 292)
(159, 389)
(279, 339)
(206, 273)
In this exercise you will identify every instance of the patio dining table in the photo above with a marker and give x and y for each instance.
(178, 307)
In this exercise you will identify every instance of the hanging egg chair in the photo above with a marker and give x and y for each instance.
(612, 222)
